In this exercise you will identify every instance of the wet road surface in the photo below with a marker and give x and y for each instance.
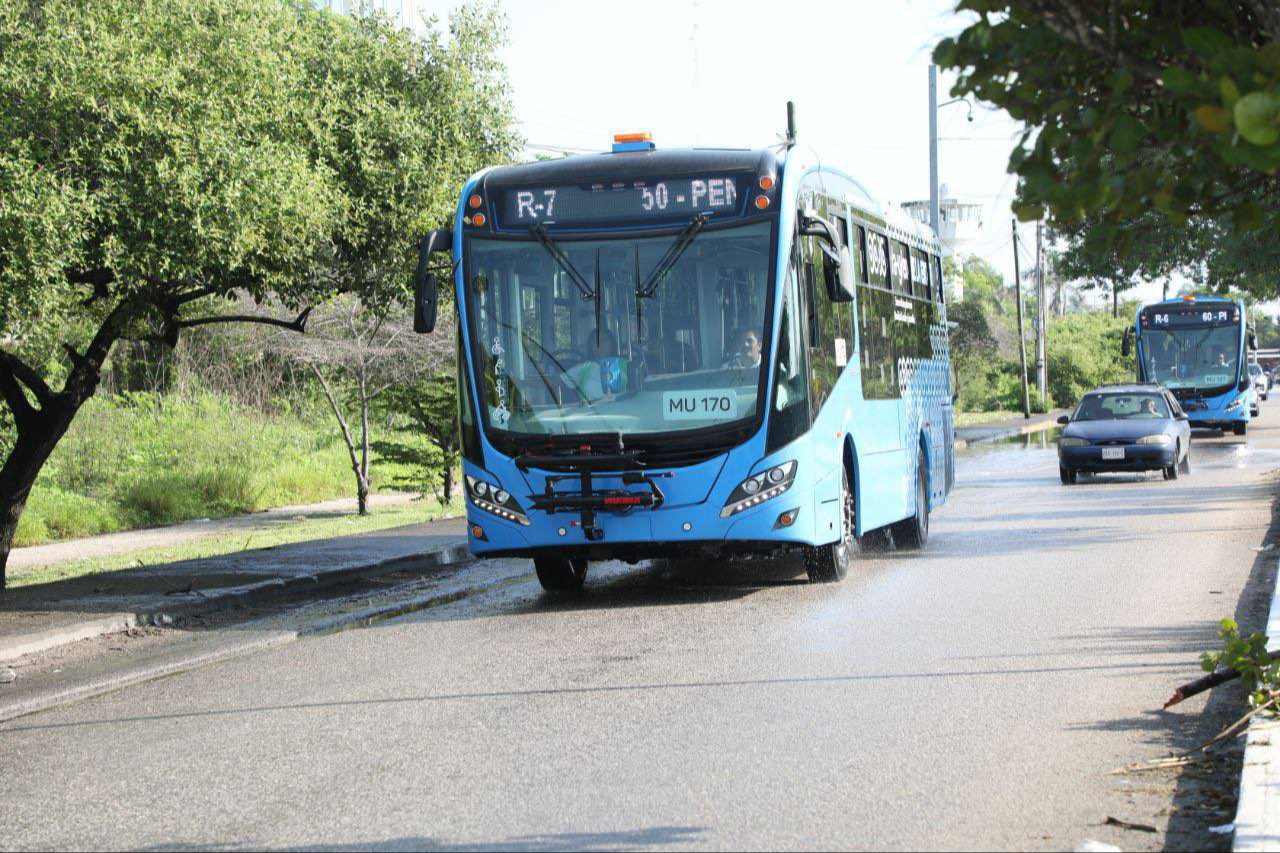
(972, 696)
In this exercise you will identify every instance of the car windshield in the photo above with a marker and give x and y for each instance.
(581, 336)
(1255, 370)
(1197, 358)
(1121, 406)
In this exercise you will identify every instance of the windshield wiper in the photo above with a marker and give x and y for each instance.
(673, 255)
(539, 233)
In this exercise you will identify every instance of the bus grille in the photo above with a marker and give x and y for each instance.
(680, 457)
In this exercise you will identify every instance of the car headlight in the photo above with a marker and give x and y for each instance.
(495, 500)
(759, 488)
(1156, 439)
(1073, 442)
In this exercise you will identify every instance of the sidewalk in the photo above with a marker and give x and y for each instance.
(996, 430)
(112, 544)
(39, 617)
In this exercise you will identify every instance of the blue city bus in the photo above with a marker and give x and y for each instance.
(693, 354)
(1197, 347)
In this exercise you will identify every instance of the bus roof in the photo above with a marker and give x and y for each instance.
(630, 166)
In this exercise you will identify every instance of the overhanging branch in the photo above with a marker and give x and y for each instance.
(298, 324)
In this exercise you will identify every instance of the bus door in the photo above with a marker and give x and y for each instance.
(829, 327)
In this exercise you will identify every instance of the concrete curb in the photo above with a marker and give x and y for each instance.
(15, 646)
(1258, 810)
(1012, 431)
(249, 639)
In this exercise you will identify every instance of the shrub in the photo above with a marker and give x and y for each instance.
(53, 514)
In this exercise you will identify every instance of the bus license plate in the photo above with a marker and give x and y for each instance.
(1113, 453)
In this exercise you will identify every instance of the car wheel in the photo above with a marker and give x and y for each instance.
(1067, 475)
(558, 574)
(913, 532)
(1186, 461)
(830, 563)
(1171, 473)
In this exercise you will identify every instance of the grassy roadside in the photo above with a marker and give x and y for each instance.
(139, 460)
(273, 532)
(965, 419)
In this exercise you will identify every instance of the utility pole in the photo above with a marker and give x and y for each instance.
(1042, 322)
(933, 149)
(1022, 341)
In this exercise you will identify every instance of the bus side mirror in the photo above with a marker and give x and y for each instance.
(426, 291)
(1126, 346)
(1253, 339)
(838, 270)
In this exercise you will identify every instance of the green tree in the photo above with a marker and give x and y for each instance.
(1147, 106)
(153, 158)
(431, 409)
(161, 159)
(400, 122)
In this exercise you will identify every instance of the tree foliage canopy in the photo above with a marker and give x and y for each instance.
(161, 160)
(1170, 106)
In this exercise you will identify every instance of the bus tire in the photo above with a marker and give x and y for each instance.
(559, 574)
(830, 563)
(913, 532)
(1240, 427)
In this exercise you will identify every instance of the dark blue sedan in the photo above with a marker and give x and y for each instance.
(1125, 428)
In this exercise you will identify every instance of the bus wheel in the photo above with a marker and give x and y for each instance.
(561, 575)
(913, 532)
(830, 563)
(1240, 427)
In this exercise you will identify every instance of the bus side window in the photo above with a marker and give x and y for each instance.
(790, 416)
(875, 313)
(900, 265)
(860, 269)
(938, 289)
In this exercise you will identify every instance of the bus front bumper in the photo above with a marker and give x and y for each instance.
(695, 530)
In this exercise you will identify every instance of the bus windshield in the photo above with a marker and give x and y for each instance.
(1205, 358)
(579, 336)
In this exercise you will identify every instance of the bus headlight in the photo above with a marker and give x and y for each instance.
(1073, 442)
(494, 499)
(1160, 439)
(759, 488)
(1237, 403)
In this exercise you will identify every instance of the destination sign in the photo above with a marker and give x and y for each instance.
(620, 202)
(1189, 316)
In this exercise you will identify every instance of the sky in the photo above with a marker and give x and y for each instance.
(719, 72)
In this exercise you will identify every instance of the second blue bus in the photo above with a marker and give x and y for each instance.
(1197, 347)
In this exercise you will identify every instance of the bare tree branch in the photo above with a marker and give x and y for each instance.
(299, 324)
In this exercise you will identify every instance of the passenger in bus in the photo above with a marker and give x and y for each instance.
(604, 376)
(745, 352)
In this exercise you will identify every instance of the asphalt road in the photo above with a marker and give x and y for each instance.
(973, 696)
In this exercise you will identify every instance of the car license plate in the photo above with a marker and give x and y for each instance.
(1112, 453)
